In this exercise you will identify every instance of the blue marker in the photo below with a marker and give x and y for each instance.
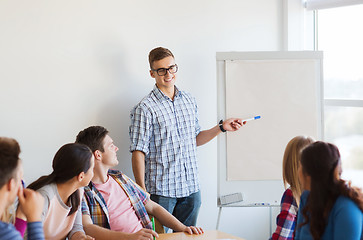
(253, 118)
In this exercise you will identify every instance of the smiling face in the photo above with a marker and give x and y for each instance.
(164, 83)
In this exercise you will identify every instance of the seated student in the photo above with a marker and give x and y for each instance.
(114, 207)
(72, 169)
(16, 217)
(331, 208)
(286, 220)
(31, 203)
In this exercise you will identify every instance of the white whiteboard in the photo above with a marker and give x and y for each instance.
(284, 88)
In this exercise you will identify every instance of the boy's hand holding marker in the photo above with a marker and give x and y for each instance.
(233, 124)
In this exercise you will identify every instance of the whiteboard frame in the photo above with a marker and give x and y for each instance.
(225, 187)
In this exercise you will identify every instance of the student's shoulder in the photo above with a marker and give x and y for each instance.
(8, 231)
(120, 176)
(48, 191)
(146, 102)
(303, 198)
(346, 204)
(288, 201)
(346, 212)
(288, 192)
(288, 196)
(115, 172)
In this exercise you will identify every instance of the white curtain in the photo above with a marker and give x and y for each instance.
(321, 4)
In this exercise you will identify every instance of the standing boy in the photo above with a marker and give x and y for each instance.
(164, 134)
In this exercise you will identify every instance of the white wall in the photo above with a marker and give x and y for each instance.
(69, 64)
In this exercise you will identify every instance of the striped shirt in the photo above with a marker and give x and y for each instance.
(166, 130)
(8, 231)
(93, 203)
(286, 220)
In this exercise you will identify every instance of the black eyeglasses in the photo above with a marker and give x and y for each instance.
(163, 71)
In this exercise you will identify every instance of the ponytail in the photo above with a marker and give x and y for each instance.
(42, 181)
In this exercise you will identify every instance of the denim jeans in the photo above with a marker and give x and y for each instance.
(185, 209)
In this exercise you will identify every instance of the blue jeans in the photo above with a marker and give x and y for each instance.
(185, 209)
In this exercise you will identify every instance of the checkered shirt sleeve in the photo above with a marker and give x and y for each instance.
(286, 220)
(140, 130)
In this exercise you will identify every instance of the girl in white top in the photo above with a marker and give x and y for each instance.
(72, 169)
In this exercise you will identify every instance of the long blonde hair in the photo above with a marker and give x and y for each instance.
(290, 164)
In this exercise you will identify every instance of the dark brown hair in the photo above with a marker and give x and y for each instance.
(157, 54)
(9, 159)
(92, 137)
(69, 161)
(319, 161)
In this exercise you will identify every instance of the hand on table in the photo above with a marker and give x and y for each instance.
(193, 230)
(143, 234)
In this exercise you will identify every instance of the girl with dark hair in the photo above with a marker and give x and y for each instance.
(72, 169)
(331, 208)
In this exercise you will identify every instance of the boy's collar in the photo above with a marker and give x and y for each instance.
(160, 95)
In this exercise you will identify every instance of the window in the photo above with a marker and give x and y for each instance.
(339, 35)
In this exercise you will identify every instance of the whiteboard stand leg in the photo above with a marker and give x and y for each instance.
(219, 217)
(270, 221)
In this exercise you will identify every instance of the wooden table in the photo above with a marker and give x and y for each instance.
(207, 235)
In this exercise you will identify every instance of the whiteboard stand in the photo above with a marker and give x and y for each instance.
(286, 89)
(270, 206)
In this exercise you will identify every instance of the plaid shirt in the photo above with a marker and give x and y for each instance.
(166, 130)
(286, 220)
(94, 205)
